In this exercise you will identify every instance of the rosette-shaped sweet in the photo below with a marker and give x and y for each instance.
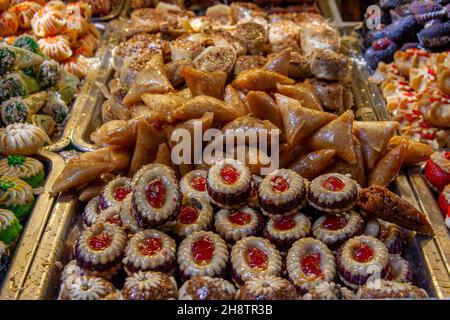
(89, 288)
(24, 12)
(78, 66)
(150, 286)
(267, 288)
(22, 139)
(114, 192)
(27, 169)
(55, 47)
(10, 227)
(328, 291)
(196, 214)
(207, 288)
(16, 196)
(284, 231)
(235, 224)
(47, 22)
(9, 24)
(390, 290)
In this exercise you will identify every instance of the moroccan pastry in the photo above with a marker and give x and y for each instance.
(44, 122)
(150, 286)
(284, 231)
(267, 288)
(444, 200)
(149, 250)
(70, 271)
(114, 192)
(126, 215)
(328, 291)
(99, 249)
(437, 169)
(91, 212)
(359, 258)
(110, 215)
(261, 80)
(334, 229)
(333, 192)
(83, 8)
(389, 166)
(47, 22)
(329, 65)
(424, 12)
(282, 192)
(207, 288)
(253, 257)
(100, 7)
(22, 139)
(16, 196)
(196, 214)
(381, 50)
(235, 224)
(390, 290)
(193, 184)
(308, 263)
(399, 269)
(156, 197)
(27, 169)
(17, 109)
(49, 73)
(313, 164)
(252, 36)
(25, 12)
(77, 66)
(55, 47)
(89, 288)
(4, 259)
(229, 183)
(381, 203)
(247, 62)
(17, 84)
(9, 23)
(202, 253)
(10, 227)
(216, 58)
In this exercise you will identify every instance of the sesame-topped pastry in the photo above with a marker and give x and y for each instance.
(308, 263)
(328, 291)
(156, 197)
(99, 249)
(229, 184)
(193, 184)
(16, 196)
(284, 231)
(390, 290)
(207, 288)
(10, 227)
(359, 258)
(89, 288)
(235, 224)
(27, 169)
(282, 192)
(91, 212)
(253, 257)
(202, 253)
(399, 269)
(267, 288)
(150, 250)
(196, 214)
(437, 169)
(334, 229)
(150, 286)
(333, 192)
(114, 192)
(4, 259)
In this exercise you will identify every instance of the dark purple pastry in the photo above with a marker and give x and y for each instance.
(425, 11)
(389, 4)
(381, 50)
(402, 30)
(436, 35)
(372, 36)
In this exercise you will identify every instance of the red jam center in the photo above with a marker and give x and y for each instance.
(120, 193)
(334, 184)
(198, 183)
(279, 184)
(257, 259)
(202, 250)
(447, 155)
(156, 193)
(188, 215)
(381, 44)
(334, 222)
(240, 218)
(362, 253)
(115, 220)
(150, 246)
(229, 174)
(310, 264)
(284, 223)
(100, 241)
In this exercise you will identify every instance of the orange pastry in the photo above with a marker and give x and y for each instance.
(78, 66)
(262, 106)
(205, 83)
(48, 22)
(279, 62)
(303, 92)
(9, 24)
(261, 80)
(313, 164)
(417, 151)
(56, 48)
(233, 99)
(389, 166)
(25, 12)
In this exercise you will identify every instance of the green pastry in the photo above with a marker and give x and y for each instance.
(17, 196)
(27, 169)
(56, 107)
(10, 227)
(7, 59)
(20, 110)
(27, 42)
(49, 74)
(23, 58)
(17, 84)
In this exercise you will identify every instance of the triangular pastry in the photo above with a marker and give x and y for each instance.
(388, 167)
(262, 106)
(303, 92)
(279, 62)
(233, 99)
(162, 105)
(313, 164)
(417, 151)
(205, 83)
(260, 80)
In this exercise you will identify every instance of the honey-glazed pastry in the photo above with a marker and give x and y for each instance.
(9, 23)
(261, 80)
(313, 164)
(233, 225)
(47, 22)
(284, 231)
(390, 290)
(55, 47)
(199, 105)
(77, 65)
(333, 96)
(328, 291)
(282, 192)
(150, 250)
(196, 214)
(207, 288)
(334, 229)
(16, 196)
(247, 62)
(27, 169)
(205, 83)
(254, 257)
(360, 258)
(437, 169)
(252, 36)
(229, 184)
(202, 253)
(333, 192)
(308, 263)
(99, 249)
(88, 287)
(417, 151)
(114, 192)
(10, 227)
(216, 58)
(150, 286)
(24, 12)
(329, 65)
(388, 167)
(193, 184)
(79, 7)
(399, 269)
(262, 106)
(267, 288)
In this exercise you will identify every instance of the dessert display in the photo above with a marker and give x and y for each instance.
(89, 288)
(267, 288)
(207, 288)
(150, 286)
(390, 290)
(196, 214)
(233, 225)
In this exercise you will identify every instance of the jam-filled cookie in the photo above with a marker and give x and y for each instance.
(399, 269)
(308, 263)
(193, 184)
(207, 288)
(328, 291)
(110, 215)
(267, 288)
(333, 192)
(99, 249)
(91, 212)
(89, 288)
(196, 214)
(284, 231)
(156, 198)
(114, 192)
(334, 229)
(235, 224)
(282, 192)
(202, 253)
(390, 290)
(126, 215)
(359, 258)
(150, 286)
(229, 184)
(254, 257)
(150, 250)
